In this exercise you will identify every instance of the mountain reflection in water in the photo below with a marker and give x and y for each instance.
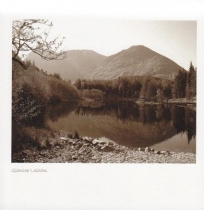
(167, 127)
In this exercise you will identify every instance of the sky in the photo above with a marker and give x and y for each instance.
(174, 39)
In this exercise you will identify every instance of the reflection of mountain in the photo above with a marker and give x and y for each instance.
(128, 124)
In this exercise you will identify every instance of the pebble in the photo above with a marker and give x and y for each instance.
(86, 149)
(147, 149)
(107, 148)
(64, 138)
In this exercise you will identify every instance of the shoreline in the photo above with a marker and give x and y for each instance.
(177, 101)
(64, 149)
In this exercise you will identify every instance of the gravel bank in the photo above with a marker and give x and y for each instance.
(87, 150)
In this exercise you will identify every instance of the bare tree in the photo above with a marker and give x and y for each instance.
(32, 35)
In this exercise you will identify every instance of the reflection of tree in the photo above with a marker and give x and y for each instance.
(32, 130)
(55, 111)
(142, 114)
(178, 117)
(190, 123)
(163, 112)
(159, 111)
(184, 120)
(128, 111)
(123, 111)
(52, 112)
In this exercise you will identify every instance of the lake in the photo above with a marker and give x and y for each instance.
(162, 127)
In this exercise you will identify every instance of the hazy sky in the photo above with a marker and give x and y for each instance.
(173, 39)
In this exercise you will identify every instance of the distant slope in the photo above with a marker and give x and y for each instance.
(137, 60)
(41, 88)
(78, 64)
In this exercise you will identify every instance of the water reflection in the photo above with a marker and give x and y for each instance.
(128, 111)
(58, 110)
(28, 133)
(132, 125)
(166, 126)
(184, 120)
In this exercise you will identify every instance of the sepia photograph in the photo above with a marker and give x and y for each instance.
(101, 105)
(103, 90)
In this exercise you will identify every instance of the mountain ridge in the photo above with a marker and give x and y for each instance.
(135, 61)
(78, 64)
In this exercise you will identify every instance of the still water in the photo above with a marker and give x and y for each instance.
(163, 127)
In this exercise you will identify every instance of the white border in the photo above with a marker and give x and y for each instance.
(99, 186)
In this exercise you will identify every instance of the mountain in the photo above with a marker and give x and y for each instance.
(137, 60)
(78, 64)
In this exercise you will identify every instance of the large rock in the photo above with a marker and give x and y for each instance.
(107, 148)
(87, 139)
(97, 141)
(27, 152)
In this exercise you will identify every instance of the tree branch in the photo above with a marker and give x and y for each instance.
(25, 37)
(20, 62)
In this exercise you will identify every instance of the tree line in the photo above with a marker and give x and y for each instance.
(185, 84)
(147, 87)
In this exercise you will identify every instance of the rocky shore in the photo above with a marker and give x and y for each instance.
(64, 149)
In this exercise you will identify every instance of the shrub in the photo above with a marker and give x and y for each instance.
(31, 91)
(93, 94)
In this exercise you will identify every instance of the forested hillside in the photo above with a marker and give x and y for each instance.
(148, 87)
(32, 91)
